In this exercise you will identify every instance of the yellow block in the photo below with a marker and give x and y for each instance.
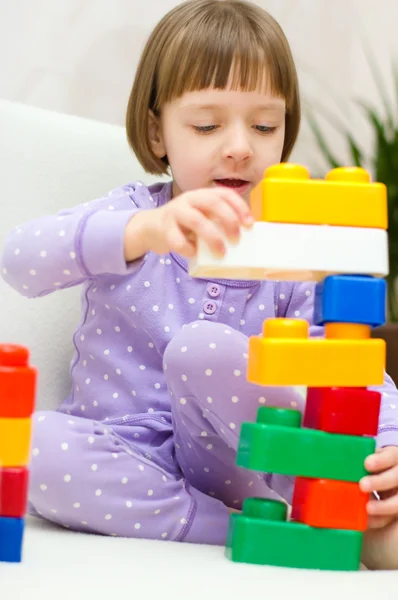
(346, 197)
(15, 437)
(285, 355)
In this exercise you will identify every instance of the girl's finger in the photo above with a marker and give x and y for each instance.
(211, 196)
(377, 522)
(388, 507)
(192, 220)
(381, 482)
(382, 460)
(180, 243)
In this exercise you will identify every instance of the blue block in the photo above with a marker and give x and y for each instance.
(350, 299)
(11, 538)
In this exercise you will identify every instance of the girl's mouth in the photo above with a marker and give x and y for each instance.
(236, 184)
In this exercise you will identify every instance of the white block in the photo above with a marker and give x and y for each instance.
(285, 251)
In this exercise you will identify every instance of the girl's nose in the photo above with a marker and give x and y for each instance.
(237, 145)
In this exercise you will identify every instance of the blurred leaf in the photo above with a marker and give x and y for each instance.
(320, 138)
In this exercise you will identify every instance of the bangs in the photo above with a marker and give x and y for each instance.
(215, 53)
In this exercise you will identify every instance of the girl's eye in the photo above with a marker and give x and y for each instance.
(265, 129)
(204, 128)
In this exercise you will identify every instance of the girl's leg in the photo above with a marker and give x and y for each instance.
(93, 477)
(205, 367)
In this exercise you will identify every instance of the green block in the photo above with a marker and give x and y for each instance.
(279, 543)
(289, 449)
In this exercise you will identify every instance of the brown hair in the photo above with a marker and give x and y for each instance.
(194, 47)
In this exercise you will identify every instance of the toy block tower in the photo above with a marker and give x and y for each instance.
(17, 399)
(332, 231)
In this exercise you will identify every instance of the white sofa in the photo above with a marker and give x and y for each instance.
(49, 161)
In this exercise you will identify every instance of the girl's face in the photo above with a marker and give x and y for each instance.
(220, 137)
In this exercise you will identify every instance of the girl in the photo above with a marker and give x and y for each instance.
(145, 444)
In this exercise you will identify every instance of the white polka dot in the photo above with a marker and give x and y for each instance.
(228, 482)
(231, 309)
(82, 522)
(209, 399)
(184, 349)
(43, 253)
(157, 386)
(183, 400)
(88, 380)
(98, 492)
(41, 418)
(212, 345)
(61, 233)
(76, 505)
(227, 331)
(208, 372)
(54, 511)
(183, 521)
(142, 367)
(168, 261)
(129, 504)
(171, 306)
(242, 322)
(67, 478)
(64, 445)
(95, 403)
(134, 393)
(206, 469)
(167, 328)
(94, 467)
(114, 455)
(204, 434)
(164, 534)
(37, 233)
(17, 251)
(296, 313)
(141, 467)
(115, 395)
(124, 480)
(150, 492)
(147, 284)
(32, 272)
(151, 344)
(129, 348)
(261, 307)
(57, 283)
(237, 373)
(235, 399)
(132, 308)
(117, 329)
(178, 280)
(35, 451)
(308, 293)
(293, 404)
(106, 376)
(118, 372)
(99, 331)
(201, 315)
(209, 446)
(262, 400)
(72, 255)
(25, 287)
(106, 352)
(232, 425)
(184, 377)
(191, 300)
(155, 308)
(137, 526)
(43, 487)
(108, 517)
(66, 272)
(282, 296)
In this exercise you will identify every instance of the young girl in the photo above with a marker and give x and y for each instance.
(145, 444)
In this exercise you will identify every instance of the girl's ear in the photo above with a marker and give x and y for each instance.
(155, 135)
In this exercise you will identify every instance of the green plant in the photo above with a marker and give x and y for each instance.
(383, 160)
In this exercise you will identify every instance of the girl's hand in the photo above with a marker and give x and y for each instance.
(384, 463)
(209, 214)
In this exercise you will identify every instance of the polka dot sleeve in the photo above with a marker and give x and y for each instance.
(65, 249)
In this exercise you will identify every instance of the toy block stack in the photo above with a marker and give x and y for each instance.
(332, 231)
(17, 400)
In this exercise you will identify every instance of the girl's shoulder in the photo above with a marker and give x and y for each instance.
(144, 196)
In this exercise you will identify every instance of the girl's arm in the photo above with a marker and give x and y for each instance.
(75, 245)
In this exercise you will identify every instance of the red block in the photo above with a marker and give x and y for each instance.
(353, 411)
(330, 504)
(17, 382)
(14, 483)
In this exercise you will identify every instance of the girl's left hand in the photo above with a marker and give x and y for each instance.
(384, 481)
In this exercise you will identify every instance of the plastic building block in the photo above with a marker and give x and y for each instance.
(345, 197)
(350, 299)
(275, 542)
(287, 251)
(330, 504)
(17, 382)
(292, 450)
(351, 411)
(11, 538)
(13, 492)
(15, 436)
(285, 355)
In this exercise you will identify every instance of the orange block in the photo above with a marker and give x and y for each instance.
(330, 504)
(286, 355)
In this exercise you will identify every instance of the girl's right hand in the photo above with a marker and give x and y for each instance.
(210, 214)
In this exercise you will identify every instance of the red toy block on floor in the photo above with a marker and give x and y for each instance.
(330, 504)
(351, 411)
(13, 491)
